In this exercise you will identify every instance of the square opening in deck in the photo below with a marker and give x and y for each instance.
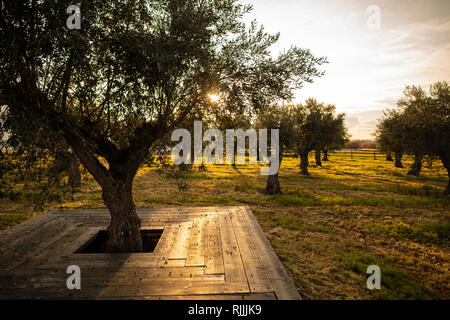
(97, 244)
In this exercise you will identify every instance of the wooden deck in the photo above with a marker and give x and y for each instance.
(203, 253)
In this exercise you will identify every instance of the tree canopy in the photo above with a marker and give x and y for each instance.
(133, 72)
(420, 125)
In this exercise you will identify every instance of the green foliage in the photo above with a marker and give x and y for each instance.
(391, 132)
(421, 124)
(136, 70)
(318, 127)
(42, 183)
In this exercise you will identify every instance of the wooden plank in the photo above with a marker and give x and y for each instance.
(203, 253)
(30, 233)
(178, 288)
(186, 297)
(22, 229)
(166, 241)
(278, 277)
(26, 252)
(213, 247)
(196, 248)
(104, 260)
(234, 269)
(101, 291)
(260, 296)
(66, 246)
(254, 269)
(203, 297)
(180, 246)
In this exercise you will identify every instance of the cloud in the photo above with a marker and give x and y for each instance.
(352, 122)
(368, 69)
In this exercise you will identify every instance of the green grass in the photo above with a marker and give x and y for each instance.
(395, 282)
(289, 200)
(436, 233)
(326, 228)
(285, 222)
(8, 220)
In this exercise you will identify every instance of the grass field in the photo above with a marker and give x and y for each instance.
(326, 228)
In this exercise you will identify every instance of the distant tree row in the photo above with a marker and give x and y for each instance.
(361, 144)
(312, 126)
(419, 126)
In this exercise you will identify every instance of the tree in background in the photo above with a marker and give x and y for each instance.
(281, 117)
(20, 135)
(317, 128)
(389, 154)
(308, 126)
(391, 134)
(428, 124)
(131, 75)
(333, 134)
(420, 126)
(411, 105)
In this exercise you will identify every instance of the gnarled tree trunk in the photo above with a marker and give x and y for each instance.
(416, 166)
(273, 184)
(304, 163)
(398, 160)
(317, 156)
(124, 230)
(325, 155)
(123, 233)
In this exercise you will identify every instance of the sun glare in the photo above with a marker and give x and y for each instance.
(214, 97)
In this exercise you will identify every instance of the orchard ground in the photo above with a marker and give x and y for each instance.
(326, 228)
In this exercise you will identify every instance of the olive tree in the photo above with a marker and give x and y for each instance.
(427, 116)
(133, 72)
(391, 134)
(317, 127)
(333, 133)
(283, 118)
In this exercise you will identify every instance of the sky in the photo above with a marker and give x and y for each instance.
(370, 64)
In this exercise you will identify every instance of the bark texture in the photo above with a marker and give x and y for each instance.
(416, 166)
(398, 160)
(304, 163)
(273, 183)
(318, 160)
(124, 229)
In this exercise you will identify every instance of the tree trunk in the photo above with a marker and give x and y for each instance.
(446, 161)
(124, 230)
(389, 156)
(325, 155)
(304, 163)
(235, 153)
(398, 160)
(68, 162)
(317, 155)
(416, 166)
(74, 172)
(273, 184)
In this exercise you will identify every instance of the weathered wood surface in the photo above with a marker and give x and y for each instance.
(204, 253)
